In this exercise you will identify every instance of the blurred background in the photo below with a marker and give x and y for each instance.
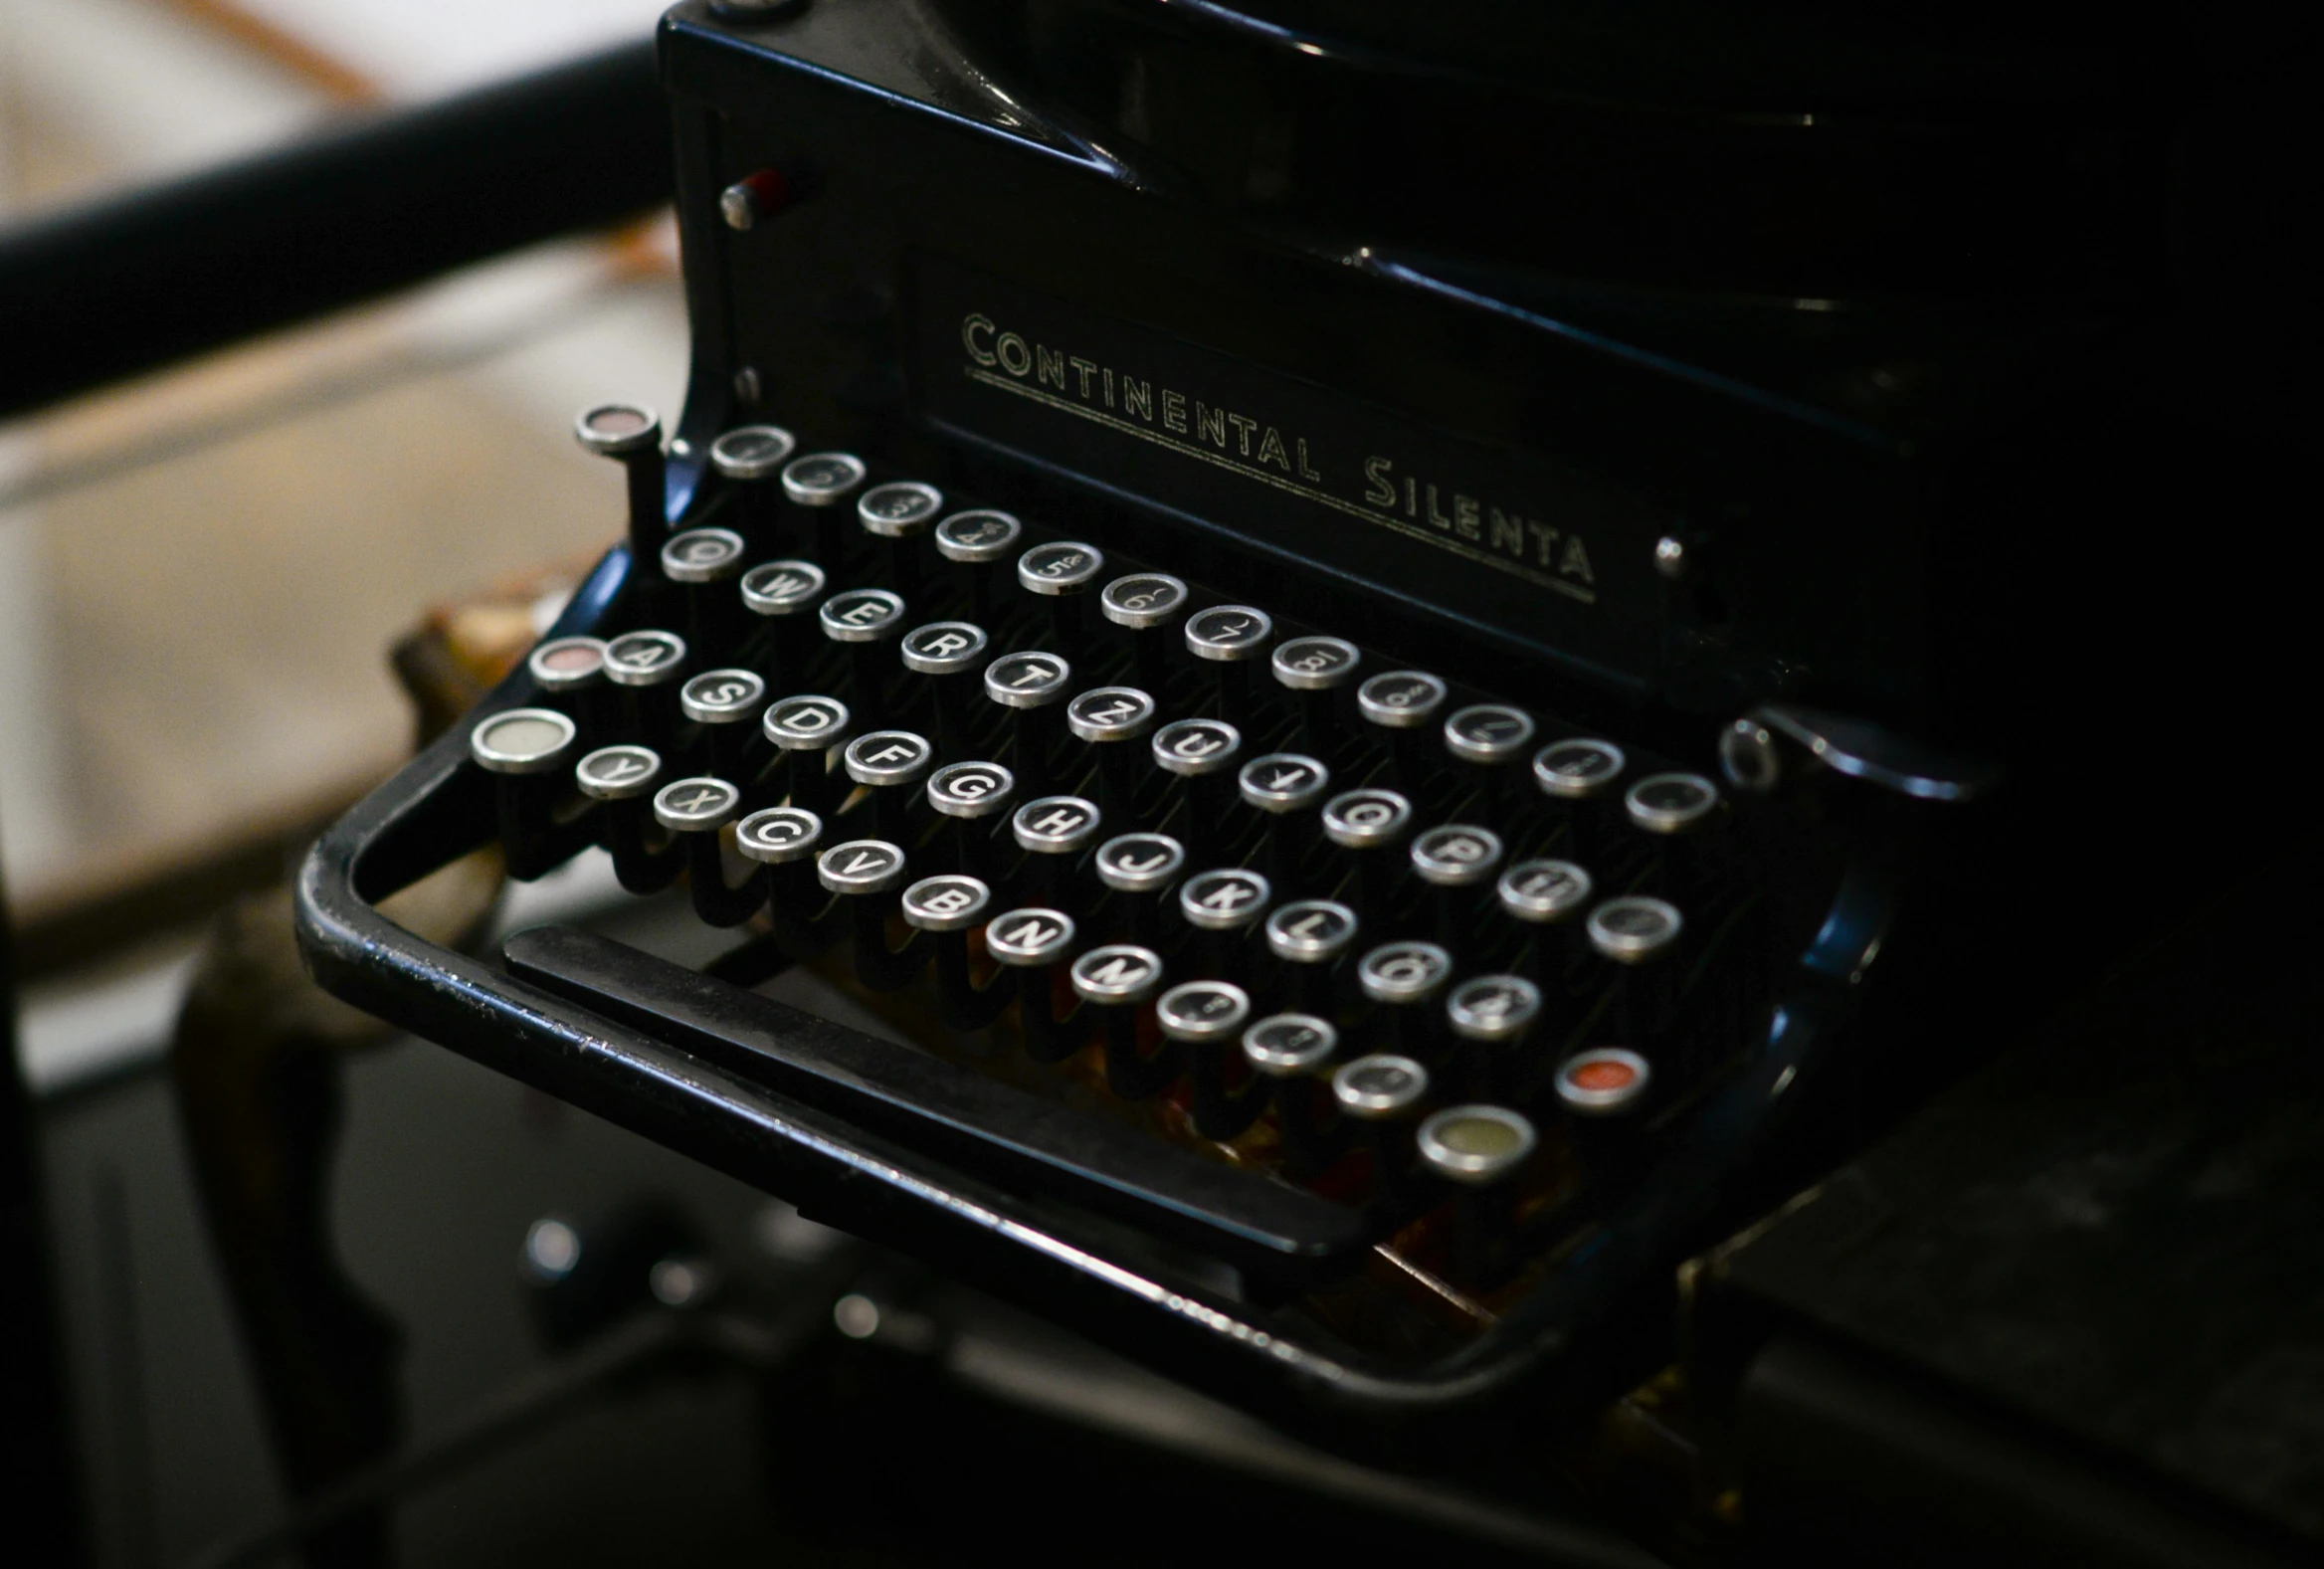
(201, 572)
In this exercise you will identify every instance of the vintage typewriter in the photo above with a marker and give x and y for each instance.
(1365, 653)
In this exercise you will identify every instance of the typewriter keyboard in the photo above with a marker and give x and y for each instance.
(1377, 985)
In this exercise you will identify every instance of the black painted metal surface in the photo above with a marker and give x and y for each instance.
(2107, 1245)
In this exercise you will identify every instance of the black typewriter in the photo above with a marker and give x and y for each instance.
(1365, 656)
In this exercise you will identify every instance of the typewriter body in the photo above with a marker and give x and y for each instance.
(1400, 735)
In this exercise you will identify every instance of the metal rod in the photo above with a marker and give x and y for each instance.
(116, 288)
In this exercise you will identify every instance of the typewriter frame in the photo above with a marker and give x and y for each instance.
(1590, 1330)
(1587, 1332)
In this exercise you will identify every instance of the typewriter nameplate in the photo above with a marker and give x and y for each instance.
(1551, 554)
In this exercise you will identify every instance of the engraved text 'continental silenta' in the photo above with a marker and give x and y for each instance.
(1374, 487)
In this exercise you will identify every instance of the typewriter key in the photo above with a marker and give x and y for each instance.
(946, 903)
(977, 541)
(645, 665)
(1545, 895)
(820, 483)
(1671, 804)
(1222, 906)
(723, 702)
(1033, 942)
(1314, 668)
(1604, 1094)
(1146, 603)
(1492, 1015)
(1639, 934)
(570, 673)
(1286, 788)
(1480, 1150)
(781, 594)
(695, 811)
(1061, 573)
(888, 763)
(621, 778)
(1400, 980)
(1293, 1052)
(1205, 1020)
(947, 908)
(784, 840)
(704, 563)
(1052, 831)
(1106, 718)
(1607, 1082)
(1635, 931)
(1231, 637)
(1203, 753)
(865, 873)
(1371, 823)
(1115, 982)
(1382, 1093)
(865, 619)
(526, 749)
(630, 433)
(750, 459)
(952, 655)
(1404, 703)
(1579, 769)
(968, 796)
(1457, 855)
(1458, 859)
(1491, 740)
(1139, 868)
(780, 836)
(1031, 683)
(805, 729)
(901, 513)
(1307, 937)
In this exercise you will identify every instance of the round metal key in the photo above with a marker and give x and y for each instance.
(1024, 938)
(643, 659)
(1030, 679)
(1403, 972)
(1314, 664)
(1144, 600)
(1193, 748)
(861, 866)
(1401, 699)
(721, 697)
(778, 834)
(1063, 567)
(618, 773)
(1140, 863)
(970, 789)
(951, 902)
(1377, 1088)
(978, 536)
(702, 555)
(752, 452)
(782, 588)
(523, 741)
(1227, 633)
(823, 479)
(944, 647)
(806, 723)
(1577, 769)
(902, 510)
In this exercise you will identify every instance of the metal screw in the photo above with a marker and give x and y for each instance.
(746, 386)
